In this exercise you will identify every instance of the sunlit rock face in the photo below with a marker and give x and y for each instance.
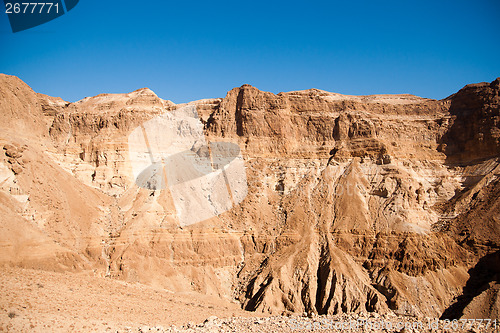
(305, 201)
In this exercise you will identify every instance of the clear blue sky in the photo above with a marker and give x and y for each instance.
(188, 50)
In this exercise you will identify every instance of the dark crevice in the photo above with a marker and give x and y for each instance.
(239, 113)
(255, 301)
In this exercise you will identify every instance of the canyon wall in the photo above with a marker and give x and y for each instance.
(355, 203)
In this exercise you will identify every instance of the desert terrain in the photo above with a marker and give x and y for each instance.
(348, 208)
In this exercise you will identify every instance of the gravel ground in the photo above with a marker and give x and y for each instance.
(371, 322)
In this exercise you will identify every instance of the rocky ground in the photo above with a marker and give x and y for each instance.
(350, 204)
(39, 301)
(341, 323)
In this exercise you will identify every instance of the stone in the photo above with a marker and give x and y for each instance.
(309, 237)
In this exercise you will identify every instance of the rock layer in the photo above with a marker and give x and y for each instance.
(355, 203)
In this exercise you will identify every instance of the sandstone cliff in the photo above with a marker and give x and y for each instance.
(355, 203)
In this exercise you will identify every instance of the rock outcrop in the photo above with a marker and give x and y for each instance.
(355, 203)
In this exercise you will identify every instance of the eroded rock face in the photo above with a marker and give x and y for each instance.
(475, 133)
(353, 202)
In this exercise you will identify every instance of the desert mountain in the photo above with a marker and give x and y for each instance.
(355, 203)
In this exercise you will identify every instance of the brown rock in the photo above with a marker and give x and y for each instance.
(353, 204)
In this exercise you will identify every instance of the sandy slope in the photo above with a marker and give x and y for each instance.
(40, 301)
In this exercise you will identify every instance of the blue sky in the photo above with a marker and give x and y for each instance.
(191, 50)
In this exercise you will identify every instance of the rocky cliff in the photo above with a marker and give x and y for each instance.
(355, 203)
